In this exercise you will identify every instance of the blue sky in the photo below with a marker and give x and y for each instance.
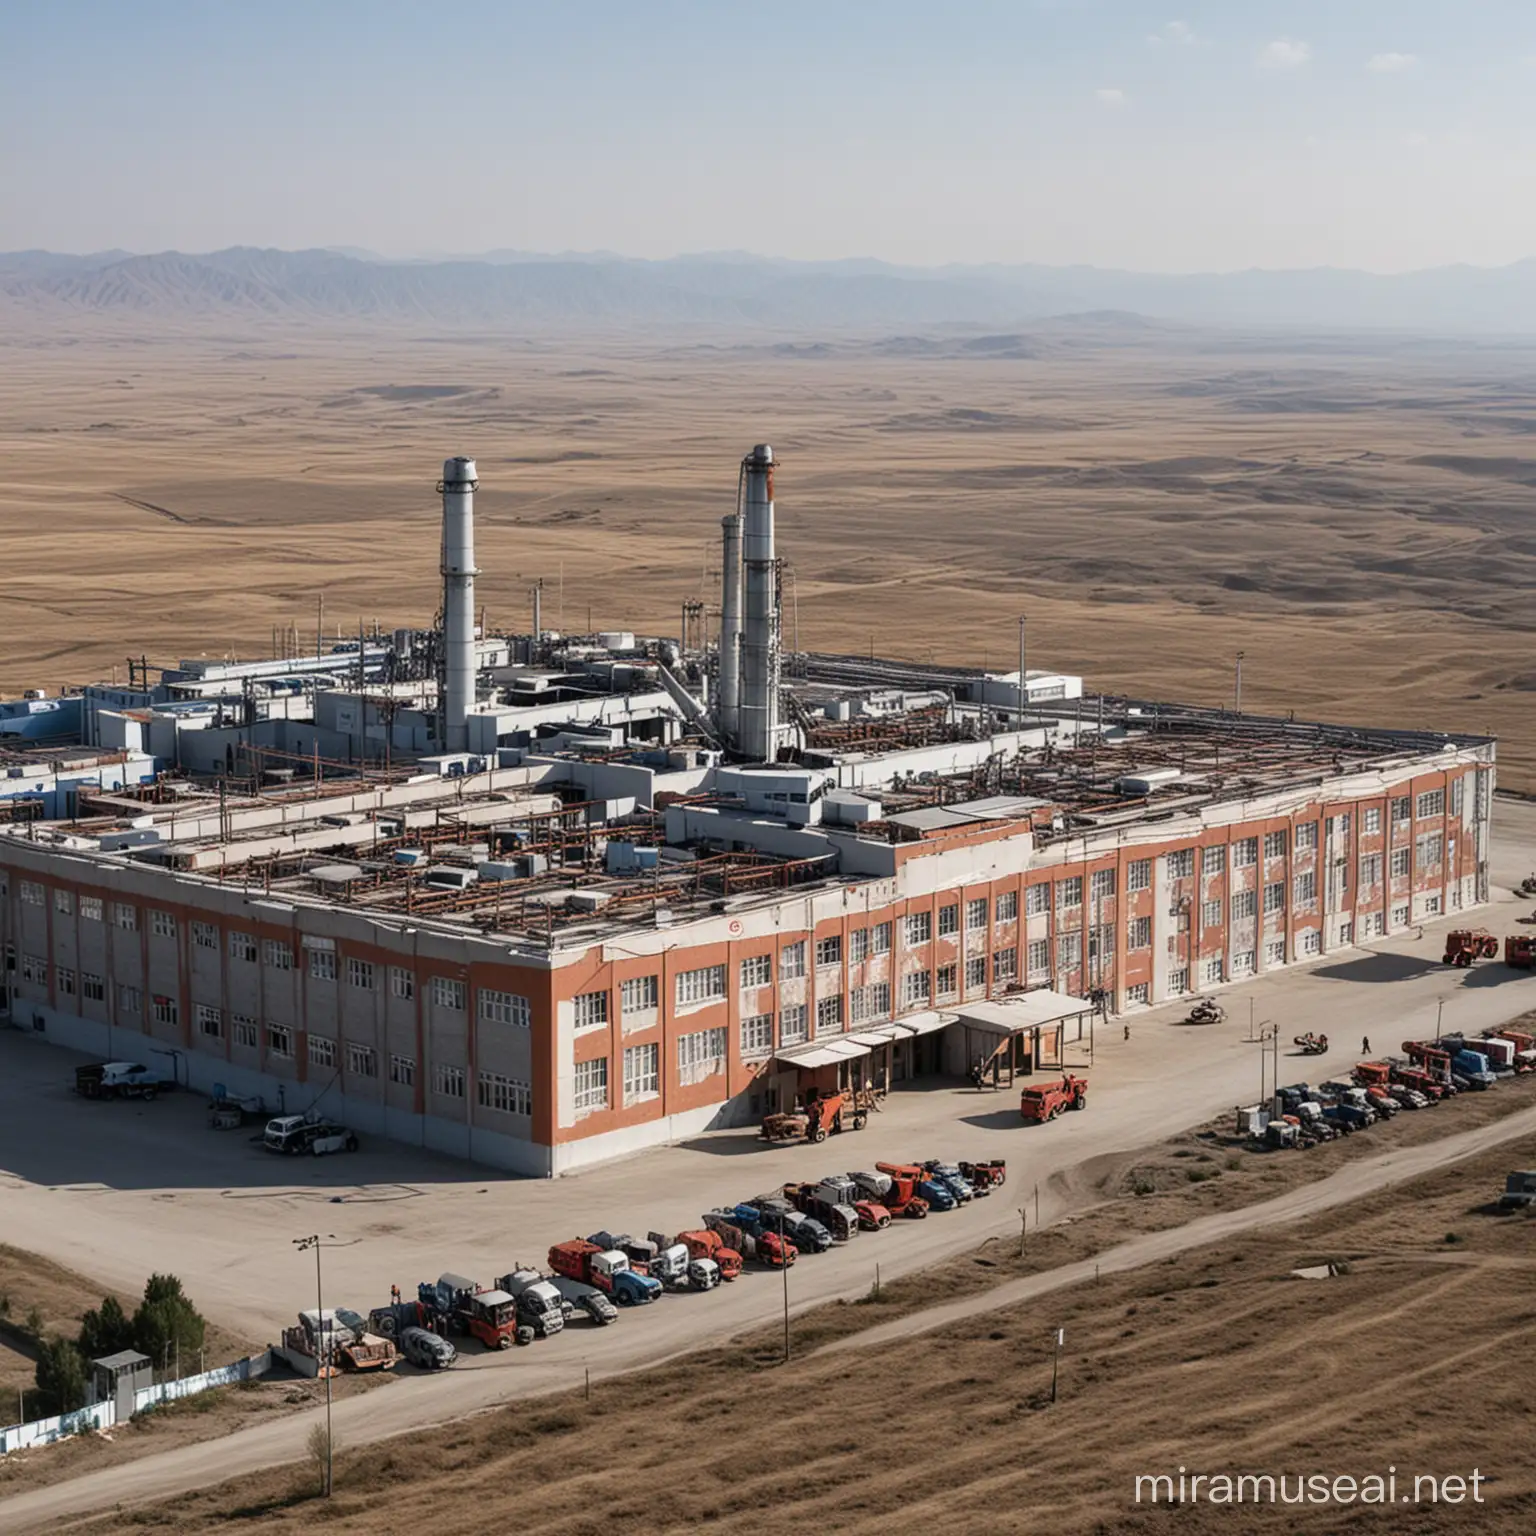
(1173, 136)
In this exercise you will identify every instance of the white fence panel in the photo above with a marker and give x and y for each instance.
(190, 1386)
(45, 1431)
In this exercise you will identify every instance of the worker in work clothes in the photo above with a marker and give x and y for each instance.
(1365, 1046)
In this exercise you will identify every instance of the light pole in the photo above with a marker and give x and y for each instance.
(1237, 690)
(304, 1244)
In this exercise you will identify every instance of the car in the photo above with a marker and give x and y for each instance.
(426, 1350)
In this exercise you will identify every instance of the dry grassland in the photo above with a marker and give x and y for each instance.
(1356, 516)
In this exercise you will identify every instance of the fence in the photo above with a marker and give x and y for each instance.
(104, 1415)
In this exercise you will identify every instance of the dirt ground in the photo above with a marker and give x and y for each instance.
(1219, 1361)
(1352, 513)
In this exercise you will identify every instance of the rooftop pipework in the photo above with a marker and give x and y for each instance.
(757, 735)
(458, 568)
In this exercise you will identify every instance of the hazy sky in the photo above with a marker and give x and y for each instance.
(1174, 135)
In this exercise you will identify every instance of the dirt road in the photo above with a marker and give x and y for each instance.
(476, 1384)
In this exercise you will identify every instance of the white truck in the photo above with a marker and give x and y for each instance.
(120, 1080)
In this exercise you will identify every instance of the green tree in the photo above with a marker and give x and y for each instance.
(167, 1324)
(60, 1378)
(105, 1330)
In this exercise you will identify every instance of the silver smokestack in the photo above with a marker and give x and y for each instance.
(757, 736)
(730, 628)
(459, 573)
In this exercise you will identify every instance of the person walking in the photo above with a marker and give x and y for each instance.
(1365, 1046)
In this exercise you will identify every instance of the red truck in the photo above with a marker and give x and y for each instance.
(1044, 1101)
(606, 1268)
(704, 1244)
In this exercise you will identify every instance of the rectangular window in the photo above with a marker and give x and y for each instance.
(757, 971)
(449, 1081)
(1274, 953)
(1311, 942)
(791, 961)
(1102, 885)
(880, 1000)
(1181, 863)
(1138, 995)
(322, 964)
(1306, 889)
(880, 939)
(242, 947)
(1402, 863)
(757, 1036)
(205, 936)
(1246, 852)
(1400, 915)
(360, 974)
(1006, 908)
(640, 994)
(1138, 875)
(244, 1028)
(1274, 845)
(976, 913)
(1069, 892)
(64, 979)
(125, 916)
(591, 1010)
(130, 1002)
(1370, 870)
(162, 924)
(1178, 981)
(1402, 808)
(34, 968)
(93, 988)
(916, 989)
(707, 984)
(1428, 850)
(829, 1015)
(402, 983)
(858, 946)
(792, 1024)
(591, 1085)
(1274, 897)
(1431, 906)
(90, 906)
(1139, 933)
(280, 1041)
(1038, 958)
(1245, 962)
(278, 954)
(210, 1021)
(1210, 971)
(829, 951)
(919, 928)
(1210, 914)
(700, 1055)
(949, 920)
(642, 1073)
(975, 974)
(509, 1008)
(1370, 820)
(362, 1060)
(1244, 904)
(402, 1071)
(1213, 861)
(1069, 951)
(1431, 803)
(946, 980)
(63, 901)
(448, 992)
(1458, 795)
(1306, 837)
(322, 1052)
(858, 1005)
(33, 894)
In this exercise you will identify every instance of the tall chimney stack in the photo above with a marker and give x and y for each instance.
(459, 574)
(730, 628)
(757, 736)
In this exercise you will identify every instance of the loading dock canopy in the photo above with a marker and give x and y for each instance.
(822, 1053)
(1029, 1010)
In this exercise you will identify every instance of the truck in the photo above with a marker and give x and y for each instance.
(769, 1248)
(670, 1263)
(294, 1134)
(820, 1202)
(120, 1080)
(460, 1306)
(701, 1243)
(843, 1189)
(426, 1350)
(956, 1182)
(1044, 1101)
(607, 1269)
(1474, 1067)
(539, 1304)
(1524, 1044)
(805, 1232)
(337, 1339)
(1519, 1191)
(915, 1177)
(899, 1196)
(586, 1299)
(1464, 945)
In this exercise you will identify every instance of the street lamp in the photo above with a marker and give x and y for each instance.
(325, 1347)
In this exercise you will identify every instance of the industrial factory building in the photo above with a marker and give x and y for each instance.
(542, 899)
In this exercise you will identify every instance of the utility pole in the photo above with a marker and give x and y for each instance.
(1023, 683)
(325, 1346)
(784, 1269)
(1061, 1335)
(1237, 692)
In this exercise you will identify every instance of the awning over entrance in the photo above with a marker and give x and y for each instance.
(1022, 1033)
(1029, 1010)
(822, 1053)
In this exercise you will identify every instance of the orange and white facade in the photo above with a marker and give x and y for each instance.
(538, 1059)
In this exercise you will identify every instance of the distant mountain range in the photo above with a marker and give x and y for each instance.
(513, 289)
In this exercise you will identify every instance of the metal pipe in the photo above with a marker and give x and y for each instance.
(1023, 680)
(758, 689)
(730, 626)
(459, 574)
